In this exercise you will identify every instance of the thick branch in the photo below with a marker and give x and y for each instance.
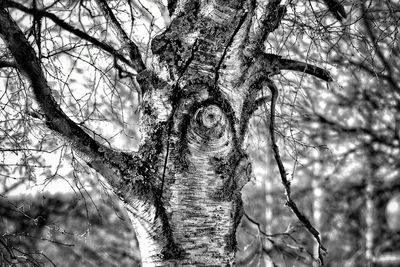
(81, 34)
(279, 63)
(56, 119)
(7, 64)
(134, 52)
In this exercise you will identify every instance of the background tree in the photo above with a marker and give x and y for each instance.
(362, 135)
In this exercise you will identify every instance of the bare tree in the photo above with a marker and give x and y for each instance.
(209, 74)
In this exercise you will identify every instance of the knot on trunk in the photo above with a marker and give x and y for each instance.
(209, 122)
(209, 131)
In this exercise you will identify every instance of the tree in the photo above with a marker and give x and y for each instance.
(361, 119)
(209, 73)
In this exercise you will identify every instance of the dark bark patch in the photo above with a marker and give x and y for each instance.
(181, 151)
(150, 150)
(234, 170)
(170, 46)
(149, 81)
(237, 213)
(172, 252)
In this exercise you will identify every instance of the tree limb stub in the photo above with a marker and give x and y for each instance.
(277, 63)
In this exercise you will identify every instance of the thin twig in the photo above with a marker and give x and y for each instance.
(70, 28)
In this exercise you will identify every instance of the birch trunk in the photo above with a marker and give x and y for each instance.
(267, 183)
(370, 210)
(370, 207)
(202, 167)
(318, 194)
(318, 178)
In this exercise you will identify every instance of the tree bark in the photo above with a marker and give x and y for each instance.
(182, 187)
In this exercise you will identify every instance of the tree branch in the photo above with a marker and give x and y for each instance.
(279, 63)
(379, 136)
(134, 52)
(7, 64)
(289, 201)
(81, 34)
(95, 154)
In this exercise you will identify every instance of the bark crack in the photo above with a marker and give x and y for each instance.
(217, 68)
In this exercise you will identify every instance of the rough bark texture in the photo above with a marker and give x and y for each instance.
(202, 166)
(182, 188)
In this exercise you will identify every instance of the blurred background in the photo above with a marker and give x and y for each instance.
(340, 142)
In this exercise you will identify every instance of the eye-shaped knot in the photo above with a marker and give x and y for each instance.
(209, 131)
(209, 122)
(210, 116)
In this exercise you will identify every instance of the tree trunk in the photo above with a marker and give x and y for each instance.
(317, 204)
(201, 166)
(370, 192)
(182, 187)
(318, 178)
(268, 186)
(370, 209)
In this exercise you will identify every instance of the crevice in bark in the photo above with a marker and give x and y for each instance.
(228, 45)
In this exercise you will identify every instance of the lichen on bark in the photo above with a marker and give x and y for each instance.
(201, 197)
